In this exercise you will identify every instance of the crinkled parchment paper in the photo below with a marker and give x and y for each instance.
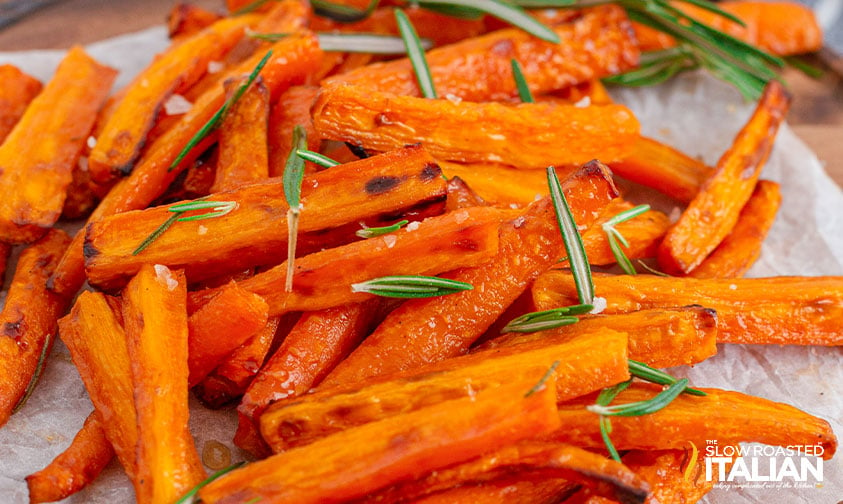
(697, 115)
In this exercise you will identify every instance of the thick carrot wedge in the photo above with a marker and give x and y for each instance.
(219, 327)
(501, 184)
(292, 109)
(293, 58)
(353, 463)
(17, 90)
(97, 345)
(155, 316)
(740, 418)
(255, 233)
(34, 175)
(323, 280)
(644, 234)
(660, 337)
(428, 330)
(585, 364)
(516, 135)
(665, 169)
(75, 467)
(594, 45)
(186, 19)
(742, 247)
(28, 320)
(715, 209)
(778, 310)
(243, 152)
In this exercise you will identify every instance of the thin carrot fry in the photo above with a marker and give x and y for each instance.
(292, 109)
(17, 90)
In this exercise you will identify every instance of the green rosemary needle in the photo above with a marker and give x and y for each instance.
(505, 11)
(415, 53)
(606, 396)
(540, 385)
(371, 232)
(218, 209)
(39, 368)
(411, 286)
(521, 82)
(616, 238)
(641, 408)
(368, 43)
(293, 176)
(337, 12)
(547, 319)
(189, 497)
(650, 374)
(578, 260)
(315, 157)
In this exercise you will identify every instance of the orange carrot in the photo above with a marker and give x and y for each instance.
(17, 90)
(501, 184)
(292, 109)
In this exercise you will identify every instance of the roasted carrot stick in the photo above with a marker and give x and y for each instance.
(742, 247)
(740, 418)
(353, 463)
(35, 175)
(476, 132)
(293, 57)
(155, 317)
(172, 72)
(28, 320)
(428, 330)
(596, 44)
(292, 109)
(585, 364)
(665, 169)
(75, 467)
(501, 184)
(777, 310)
(715, 209)
(186, 19)
(17, 90)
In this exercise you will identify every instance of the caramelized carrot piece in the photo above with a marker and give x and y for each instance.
(740, 418)
(81, 198)
(28, 320)
(155, 316)
(428, 330)
(172, 72)
(353, 463)
(644, 234)
(585, 364)
(665, 169)
(476, 132)
(34, 175)
(17, 90)
(715, 209)
(777, 310)
(75, 467)
(742, 247)
(292, 109)
(293, 58)
(596, 44)
(255, 232)
(501, 184)
(186, 19)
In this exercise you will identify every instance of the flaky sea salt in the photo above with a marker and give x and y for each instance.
(177, 105)
(162, 273)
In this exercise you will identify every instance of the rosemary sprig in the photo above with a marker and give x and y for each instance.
(578, 260)
(641, 408)
(337, 12)
(415, 53)
(616, 238)
(217, 118)
(540, 385)
(39, 368)
(189, 497)
(371, 232)
(652, 270)
(411, 286)
(606, 396)
(547, 319)
(315, 157)
(218, 209)
(369, 43)
(645, 372)
(293, 176)
(521, 82)
(505, 11)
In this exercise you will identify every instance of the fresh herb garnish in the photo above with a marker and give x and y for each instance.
(540, 385)
(188, 498)
(368, 43)
(641, 408)
(650, 374)
(39, 367)
(215, 120)
(505, 11)
(547, 319)
(415, 53)
(315, 157)
(616, 238)
(371, 232)
(652, 270)
(218, 209)
(411, 286)
(578, 260)
(342, 13)
(293, 176)
(521, 82)
(606, 396)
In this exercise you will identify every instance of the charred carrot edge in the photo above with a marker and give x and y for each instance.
(292, 109)
(28, 319)
(254, 232)
(403, 446)
(17, 90)
(740, 418)
(665, 169)
(323, 279)
(97, 345)
(460, 195)
(81, 197)
(36, 174)
(644, 234)
(476, 132)
(427, 330)
(293, 58)
(155, 318)
(186, 19)
(783, 28)
(585, 364)
(75, 467)
(742, 247)
(712, 213)
(175, 70)
(5, 252)
(777, 310)
(219, 327)
(601, 476)
(500, 184)
(596, 44)
(301, 362)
